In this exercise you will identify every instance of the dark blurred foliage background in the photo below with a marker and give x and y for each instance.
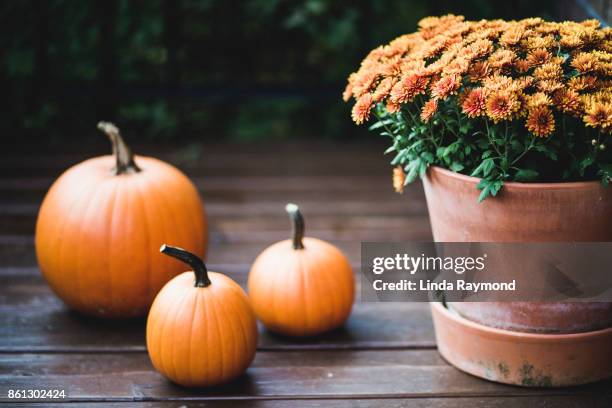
(204, 70)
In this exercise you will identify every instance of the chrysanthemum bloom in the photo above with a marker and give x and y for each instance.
(549, 70)
(399, 178)
(538, 99)
(497, 82)
(583, 83)
(459, 66)
(429, 109)
(549, 86)
(382, 90)
(535, 42)
(538, 57)
(502, 58)
(445, 86)
(348, 90)
(522, 65)
(392, 107)
(479, 70)
(475, 103)
(482, 47)
(570, 41)
(599, 115)
(512, 36)
(568, 101)
(409, 87)
(363, 83)
(361, 109)
(502, 105)
(584, 62)
(540, 121)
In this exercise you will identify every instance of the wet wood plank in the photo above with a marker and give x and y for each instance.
(340, 374)
(34, 319)
(565, 401)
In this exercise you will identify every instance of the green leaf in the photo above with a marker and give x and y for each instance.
(412, 170)
(456, 166)
(489, 188)
(427, 157)
(526, 175)
(484, 168)
(389, 149)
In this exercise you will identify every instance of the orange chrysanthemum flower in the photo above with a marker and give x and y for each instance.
(502, 58)
(383, 89)
(549, 70)
(582, 83)
(505, 70)
(522, 65)
(479, 71)
(540, 121)
(399, 179)
(502, 105)
(538, 57)
(409, 87)
(475, 103)
(361, 109)
(599, 115)
(392, 107)
(568, 100)
(538, 99)
(429, 109)
(445, 86)
(584, 62)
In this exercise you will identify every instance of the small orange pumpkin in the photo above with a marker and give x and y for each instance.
(100, 225)
(200, 332)
(301, 286)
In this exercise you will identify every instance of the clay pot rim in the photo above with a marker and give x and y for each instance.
(519, 336)
(516, 185)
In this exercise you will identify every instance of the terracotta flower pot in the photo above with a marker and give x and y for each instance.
(527, 359)
(523, 212)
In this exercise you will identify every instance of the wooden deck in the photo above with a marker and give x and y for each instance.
(384, 356)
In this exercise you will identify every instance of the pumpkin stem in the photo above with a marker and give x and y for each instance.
(297, 221)
(198, 266)
(123, 155)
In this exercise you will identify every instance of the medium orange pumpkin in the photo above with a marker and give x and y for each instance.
(201, 332)
(301, 286)
(101, 223)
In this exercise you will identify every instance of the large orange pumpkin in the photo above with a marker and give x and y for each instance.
(201, 332)
(101, 223)
(301, 286)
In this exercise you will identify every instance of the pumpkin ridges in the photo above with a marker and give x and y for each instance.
(181, 236)
(322, 299)
(189, 336)
(219, 336)
(111, 220)
(225, 363)
(74, 261)
(241, 323)
(54, 245)
(305, 284)
(301, 290)
(150, 266)
(154, 183)
(167, 352)
(337, 302)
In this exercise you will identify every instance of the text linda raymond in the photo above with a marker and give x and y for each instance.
(428, 285)
(413, 264)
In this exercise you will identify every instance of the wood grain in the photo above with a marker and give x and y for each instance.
(341, 374)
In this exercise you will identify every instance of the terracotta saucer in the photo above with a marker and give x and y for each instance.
(527, 359)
